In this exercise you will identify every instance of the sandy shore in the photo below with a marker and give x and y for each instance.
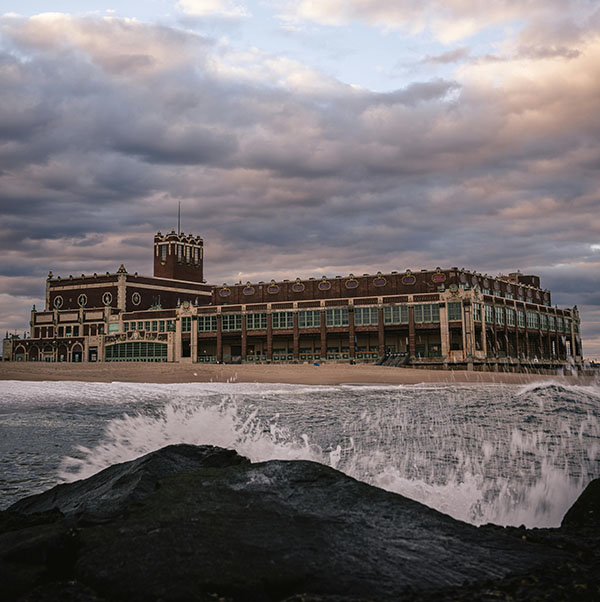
(326, 374)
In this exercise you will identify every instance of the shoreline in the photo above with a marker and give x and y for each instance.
(301, 374)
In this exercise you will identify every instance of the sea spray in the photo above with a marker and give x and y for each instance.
(481, 453)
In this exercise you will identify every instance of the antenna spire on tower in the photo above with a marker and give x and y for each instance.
(179, 218)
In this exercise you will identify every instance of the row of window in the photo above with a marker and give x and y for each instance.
(334, 317)
(147, 325)
(520, 318)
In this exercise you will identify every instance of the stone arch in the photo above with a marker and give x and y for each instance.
(63, 354)
(77, 353)
(20, 354)
(34, 353)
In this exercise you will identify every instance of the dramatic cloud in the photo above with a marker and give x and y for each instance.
(106, 124)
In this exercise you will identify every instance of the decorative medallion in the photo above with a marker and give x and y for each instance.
(379, 280)
(82, 300)
(136, 298)
(225, 291)
(298, 286)
(248, 289)
(509, 288)
(546, 297)
(408, 279)
(496, 286)
(537, 295)
(486, 283)
(352, 282)
(58, 301)
(273, 289)
(529, 293)
(453, 288)
(474, 281)
(520, 291)
(463, 278)
(324, 285)
(107, 298)
(439, 276)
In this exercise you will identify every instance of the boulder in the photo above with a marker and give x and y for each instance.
(203, 523)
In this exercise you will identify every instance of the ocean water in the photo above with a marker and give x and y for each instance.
(504, 454)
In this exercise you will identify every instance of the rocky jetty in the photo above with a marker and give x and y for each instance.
(203, 523)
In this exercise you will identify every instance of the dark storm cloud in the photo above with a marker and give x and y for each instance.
(106, 125)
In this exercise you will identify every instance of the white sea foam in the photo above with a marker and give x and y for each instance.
(473, 467)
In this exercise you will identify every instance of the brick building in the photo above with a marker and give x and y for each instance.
(433, 318)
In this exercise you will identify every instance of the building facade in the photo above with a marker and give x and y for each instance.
(431, 318)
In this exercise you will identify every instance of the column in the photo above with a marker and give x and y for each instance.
(194, 339)
(178, 339)
(411, 332)
(468, 328)
(380, 332)
(323, 335)
(351, 346)
(296, 337)
(219, 339)
(269, 337)
(244, 338)
(444, 331)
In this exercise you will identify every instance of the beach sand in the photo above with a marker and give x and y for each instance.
(308, 374)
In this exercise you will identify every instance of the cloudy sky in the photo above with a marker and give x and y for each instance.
(302, 138)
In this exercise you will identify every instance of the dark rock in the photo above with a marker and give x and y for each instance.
(201, 523)
(585, 512)
(105, 494)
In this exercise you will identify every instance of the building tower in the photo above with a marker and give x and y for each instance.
(178, 257)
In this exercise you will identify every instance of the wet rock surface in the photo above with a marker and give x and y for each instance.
(203, 523)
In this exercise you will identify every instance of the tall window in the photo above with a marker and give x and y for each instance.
(336, 317)
(521, 318)
(551, 323)
(283, 319)
(186, 324)
(310, 318)
(489, 314)
(510, 316)
(163, 253)
(477, 312)
(500, 315)
(196, 256)
(455, 311)
(231, 322)
(395, 314)
(532, 319)
(207, 323)
(256, 321)
(543, 321)
(366, 316)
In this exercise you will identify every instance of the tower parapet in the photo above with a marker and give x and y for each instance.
(179, 256)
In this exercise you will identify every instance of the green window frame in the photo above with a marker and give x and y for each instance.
(282, 319)
(113, 327)
(256, 321)
(489, 314)
(543, 321)
(499, 316)
(395, 314)
(521, 318)
(186, 324)
(477, 312)
(551, 324)
(231, 322)
(366, 316)
(336, 317)
(455, 311)
(207, 323)
(170, 325)
(310, 318)
(510, 316)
